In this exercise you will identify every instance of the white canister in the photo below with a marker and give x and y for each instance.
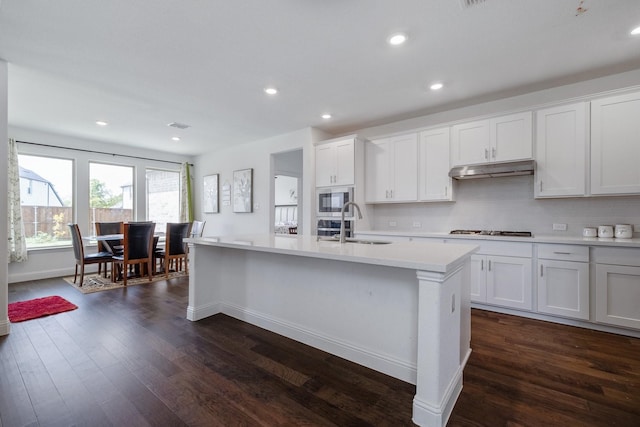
(605, 231)
(623, 231)
(589, 232)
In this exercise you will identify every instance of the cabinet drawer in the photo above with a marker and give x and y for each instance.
(564, 252)
(616, 256)
(514, 249)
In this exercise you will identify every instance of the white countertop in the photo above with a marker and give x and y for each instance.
(437, 257)
(587, 241)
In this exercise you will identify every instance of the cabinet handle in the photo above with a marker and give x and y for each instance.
(540, 184)
(486, 154)
(562, 253)
(489, 265)
(391, 194)
(541, 270)
(493, 153)
(446, 190)
(481, 265)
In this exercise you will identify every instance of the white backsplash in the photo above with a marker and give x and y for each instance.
(507, 204)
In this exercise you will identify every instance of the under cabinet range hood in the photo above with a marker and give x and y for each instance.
(492, 170)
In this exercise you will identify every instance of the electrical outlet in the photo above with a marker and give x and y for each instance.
(559, 227)
(393, 224)
(417, 224)
(256, 206)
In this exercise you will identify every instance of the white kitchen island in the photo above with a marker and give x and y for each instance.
(400, 308)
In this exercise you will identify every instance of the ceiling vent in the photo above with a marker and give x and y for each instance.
(469, 3)
(178, 125)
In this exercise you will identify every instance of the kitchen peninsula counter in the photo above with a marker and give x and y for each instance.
(400, 308)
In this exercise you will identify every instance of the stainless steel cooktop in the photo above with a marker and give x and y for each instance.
(494, 233)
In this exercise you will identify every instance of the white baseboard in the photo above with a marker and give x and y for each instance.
(5, 327)
(386, 364)
(45, 274)
(198, 313)
(428, 415)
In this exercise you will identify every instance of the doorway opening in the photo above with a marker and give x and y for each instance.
(287, 192)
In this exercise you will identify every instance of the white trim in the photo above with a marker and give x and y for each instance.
(5, 327)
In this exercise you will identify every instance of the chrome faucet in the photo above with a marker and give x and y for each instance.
(343, 236)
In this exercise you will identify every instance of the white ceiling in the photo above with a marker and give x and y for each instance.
(142, 64)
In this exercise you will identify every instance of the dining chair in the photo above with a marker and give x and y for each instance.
(137, 250)
(82, 259)
(197, 227)
(174, 248)
(112, 246)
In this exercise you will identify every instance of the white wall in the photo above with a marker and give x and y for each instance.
(4, 287)
(43, 263)
(507, 203)
(256, 155)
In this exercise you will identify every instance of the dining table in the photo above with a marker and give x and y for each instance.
(157, 238)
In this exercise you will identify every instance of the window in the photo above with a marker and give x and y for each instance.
(46, 194)
(111, 193)
(163, 197)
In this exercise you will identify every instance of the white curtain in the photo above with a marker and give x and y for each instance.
(17, 241)
(186, 196)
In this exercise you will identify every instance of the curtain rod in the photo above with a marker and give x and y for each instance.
(99, 152)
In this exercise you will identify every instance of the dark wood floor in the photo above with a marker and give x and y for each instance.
(129, 357)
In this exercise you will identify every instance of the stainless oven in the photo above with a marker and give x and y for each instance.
(330, 227)
(331, 200)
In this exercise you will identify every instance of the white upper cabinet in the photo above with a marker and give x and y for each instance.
(499, 139)
(391, 169)
(335, 163)
(561, 147)
(615, 144)
(435, 183)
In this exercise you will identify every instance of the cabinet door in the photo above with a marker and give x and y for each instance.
(470, 143)
(404, 168)
(325, 165)
(509, 282)
(435, 183)
(345, 162)
(511, 137)
(615, 145)
(561, 144)
(377, 170)
(478, 278)
(563, 288)
(618, 295)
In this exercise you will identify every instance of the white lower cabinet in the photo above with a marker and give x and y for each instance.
(563, 280)
(617, 287)
(509, 282)
(502, 280)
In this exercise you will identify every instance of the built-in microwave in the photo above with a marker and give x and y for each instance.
(331, 200)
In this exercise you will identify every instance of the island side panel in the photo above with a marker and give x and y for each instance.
(362, 312)
(206, 269)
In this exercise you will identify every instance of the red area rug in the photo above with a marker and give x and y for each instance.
(39, 307)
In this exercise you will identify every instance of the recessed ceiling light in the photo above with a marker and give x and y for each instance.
(175, 138)
(635, 31)
(270, 90)
(326, 116)
(436, 86)
(397, 39)
(101, 123)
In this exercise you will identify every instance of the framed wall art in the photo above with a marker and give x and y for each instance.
(243, 190)
(210, 194)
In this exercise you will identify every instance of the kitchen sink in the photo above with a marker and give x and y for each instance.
(352, 240)
(367, 242)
